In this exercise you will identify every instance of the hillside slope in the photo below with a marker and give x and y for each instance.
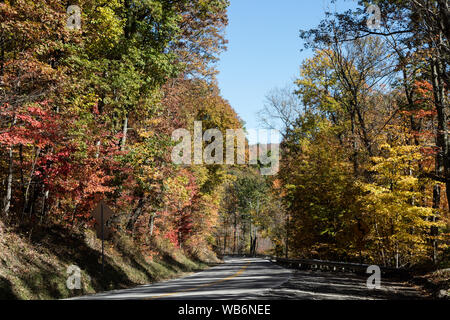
(36, 267)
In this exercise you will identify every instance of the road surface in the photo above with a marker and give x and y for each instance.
(256, 278)
(237, 279)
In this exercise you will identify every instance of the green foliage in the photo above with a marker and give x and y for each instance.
(91, 113)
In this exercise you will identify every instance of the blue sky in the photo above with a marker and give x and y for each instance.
(264, 49)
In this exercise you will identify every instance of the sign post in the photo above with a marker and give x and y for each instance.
(103, 239)
(102, 213)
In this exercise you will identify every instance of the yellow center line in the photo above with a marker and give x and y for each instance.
(203, 285)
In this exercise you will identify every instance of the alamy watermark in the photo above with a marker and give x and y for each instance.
(190, 151)
(374, 20)
(374, 281)
(74, 19)
(73, 281)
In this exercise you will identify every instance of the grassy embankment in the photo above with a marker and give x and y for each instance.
(36, 267)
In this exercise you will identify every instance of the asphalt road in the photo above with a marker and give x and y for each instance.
(256, 278)
(237, 279)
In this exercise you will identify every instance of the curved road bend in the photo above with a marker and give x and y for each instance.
(237, 278)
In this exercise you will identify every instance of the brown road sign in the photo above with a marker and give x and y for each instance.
(97, 214)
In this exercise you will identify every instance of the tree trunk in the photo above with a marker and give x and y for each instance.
(442, 140)
(97, 149)
(287, 236)
(444, 11)
(123, 141)
(152, 223)
(434, 230)
(30, 179)
(354, 145)
(225, 235)
(9, 179)
(44, 205)
(135, 215)
(250, 233)
(235, 233)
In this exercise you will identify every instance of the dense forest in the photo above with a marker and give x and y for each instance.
(365, 152)
(87, 114)
(90, 97)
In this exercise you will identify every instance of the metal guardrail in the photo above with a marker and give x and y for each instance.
(332, 266)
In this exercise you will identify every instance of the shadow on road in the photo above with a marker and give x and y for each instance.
(316, 285)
